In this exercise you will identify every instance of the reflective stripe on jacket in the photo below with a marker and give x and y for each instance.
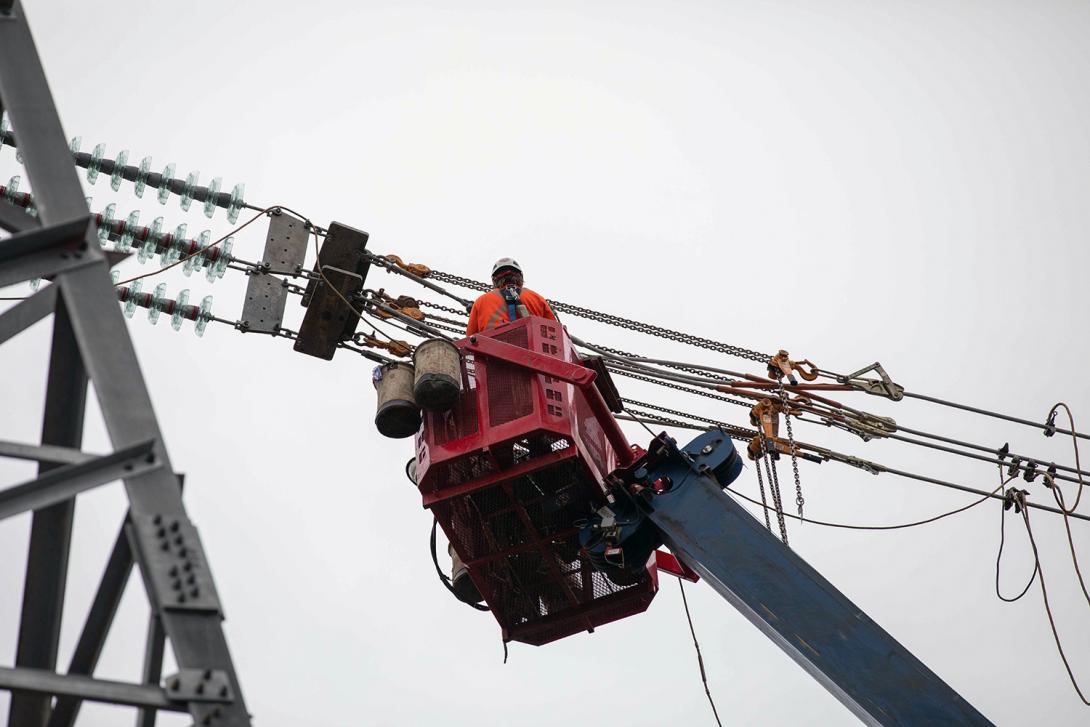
(491, 310)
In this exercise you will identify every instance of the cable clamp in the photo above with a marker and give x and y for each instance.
(864, 464)
(882, 386)
(1050, 425)
(1015, 498)
(866, 427)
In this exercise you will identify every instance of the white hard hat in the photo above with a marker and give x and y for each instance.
(506, 262)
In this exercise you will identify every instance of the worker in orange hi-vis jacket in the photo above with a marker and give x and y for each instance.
(507, 301)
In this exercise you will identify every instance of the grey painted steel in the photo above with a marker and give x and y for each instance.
(41, 683)
(830, 637)
(153, 664)
(14, 219)
(197, 637)
(43, 453)
(87, 311)
(26, 313)
(65, 482)
(29, 103)
(266, 294)
(180, 578)
(47, 264)
(200, 685)
(99, 619)
(68, 234)
(51, 528)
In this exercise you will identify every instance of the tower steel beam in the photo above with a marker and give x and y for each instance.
(23, 681)
(43, 453)
(91, 342)
(99, 619)
(153, 665)
(63, 483)
(13, 219)
(51, 527)
(26, 313)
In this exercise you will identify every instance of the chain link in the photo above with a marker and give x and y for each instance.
(678, 387)
(799, 500)
(764, 500)
(702, 373)
(444, 308)
(739, 433)
(620, 322)
(777, 500)
(651, 416)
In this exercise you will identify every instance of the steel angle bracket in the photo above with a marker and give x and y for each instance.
(267, 293)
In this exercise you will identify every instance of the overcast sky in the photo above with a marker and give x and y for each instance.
(900, 182)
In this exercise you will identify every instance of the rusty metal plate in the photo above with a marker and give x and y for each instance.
(329, 320)
(345, 248)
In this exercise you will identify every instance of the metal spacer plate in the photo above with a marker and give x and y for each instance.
(179, 571)
(267, 295)
(200, 685)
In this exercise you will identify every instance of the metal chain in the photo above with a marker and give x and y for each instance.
(620, 322)
(739, 433)
(676, 366)
(777, 501)
(444, 308)
(459, 280)
(456, 326)
(764, 500)
(678, 387)
(799, 500)
(651, 416)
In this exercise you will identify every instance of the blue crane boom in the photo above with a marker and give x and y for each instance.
(819, 627)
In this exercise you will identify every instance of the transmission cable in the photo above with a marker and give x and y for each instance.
(699, 657)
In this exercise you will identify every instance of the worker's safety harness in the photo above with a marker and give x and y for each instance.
(513, 305)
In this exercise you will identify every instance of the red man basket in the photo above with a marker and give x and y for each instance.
(512, 469)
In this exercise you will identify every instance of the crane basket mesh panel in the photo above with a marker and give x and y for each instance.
(512, 468)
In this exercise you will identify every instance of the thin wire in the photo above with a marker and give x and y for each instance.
(699, 657)
(443, 576)
(865, 527)
(1075, 445)
(1002, 540)
(1048, 608)
(742, 434)
(1058, 494)
(235, 231)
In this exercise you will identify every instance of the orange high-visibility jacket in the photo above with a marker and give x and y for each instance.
(490, 310)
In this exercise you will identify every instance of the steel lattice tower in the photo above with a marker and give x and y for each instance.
(90, 344)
